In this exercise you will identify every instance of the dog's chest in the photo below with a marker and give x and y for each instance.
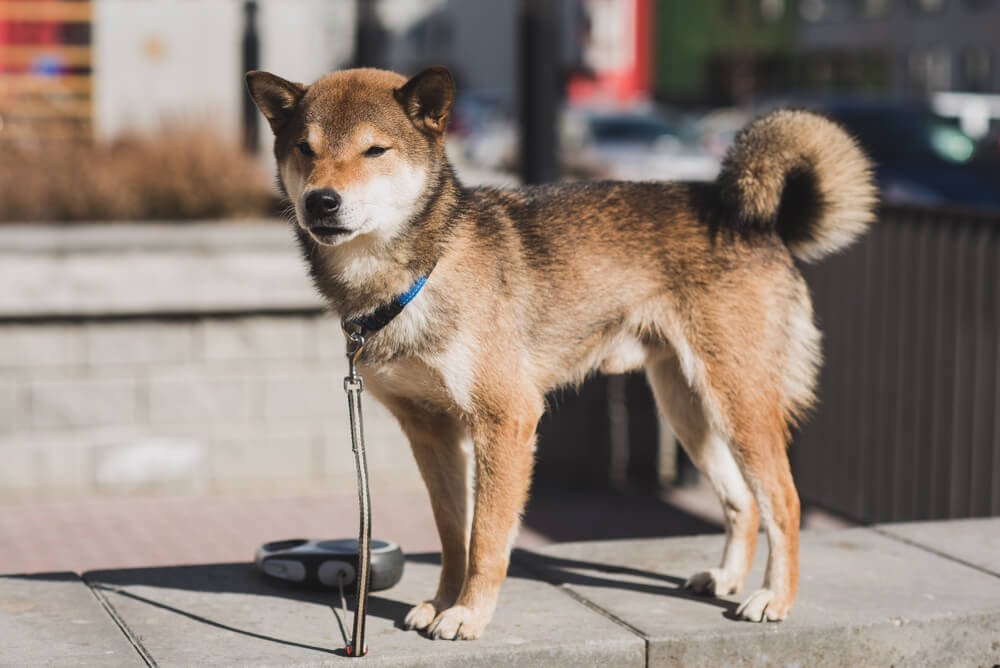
(443, 380)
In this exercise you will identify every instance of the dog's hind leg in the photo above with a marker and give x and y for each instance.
(436, 441)
(760, 450)
(710, 452)
(503, 434)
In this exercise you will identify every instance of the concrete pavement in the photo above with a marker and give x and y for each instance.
(868, 597)
(53, 619)
(864, 599)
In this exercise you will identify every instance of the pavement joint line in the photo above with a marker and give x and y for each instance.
(926, 548)
(607, 614)
(126, 631)
(584, 601)
(219, 625)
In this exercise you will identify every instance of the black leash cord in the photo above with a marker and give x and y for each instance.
(354, 386)
(355, 331)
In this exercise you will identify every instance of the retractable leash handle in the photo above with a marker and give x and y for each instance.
(354, 386)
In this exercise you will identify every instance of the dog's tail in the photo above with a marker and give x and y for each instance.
(802, 175)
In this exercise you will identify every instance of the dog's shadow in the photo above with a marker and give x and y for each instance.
(244, 578)
(564, 571)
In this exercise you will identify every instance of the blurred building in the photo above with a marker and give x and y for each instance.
(919, 46)
(45, 68)
(727, 51)
(721, 52)
(476, 39)
(100, 67)
(76, 66)
(104, 66)
(611, 49)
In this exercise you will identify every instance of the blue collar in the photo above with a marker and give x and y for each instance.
(383, 315)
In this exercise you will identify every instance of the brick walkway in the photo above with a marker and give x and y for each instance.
(92, 532)
(126, 532)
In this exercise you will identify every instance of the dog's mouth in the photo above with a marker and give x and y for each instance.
(328, 233)
(328, 230)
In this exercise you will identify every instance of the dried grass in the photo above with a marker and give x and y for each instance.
(181, 172)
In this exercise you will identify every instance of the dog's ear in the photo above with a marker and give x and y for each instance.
(275, 97)
(427, 99)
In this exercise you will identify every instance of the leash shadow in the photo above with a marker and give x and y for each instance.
(141, 585)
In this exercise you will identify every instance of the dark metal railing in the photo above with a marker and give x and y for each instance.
(907, 426)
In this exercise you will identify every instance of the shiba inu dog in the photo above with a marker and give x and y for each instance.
(475, 302)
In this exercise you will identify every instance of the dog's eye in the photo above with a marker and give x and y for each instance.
(375, 151)
(305, 149)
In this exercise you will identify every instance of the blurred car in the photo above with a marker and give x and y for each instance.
(920, 157)
(717, 129)
(637, 145)
(486, 130)
(987, 156)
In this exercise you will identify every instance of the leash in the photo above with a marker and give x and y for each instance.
(354, 386)
(355, 331)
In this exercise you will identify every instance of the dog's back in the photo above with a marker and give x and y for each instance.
(584, 261)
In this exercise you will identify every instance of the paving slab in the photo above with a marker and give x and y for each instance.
(864, 599)
(228, 614)
(53, 619)
(974, 541)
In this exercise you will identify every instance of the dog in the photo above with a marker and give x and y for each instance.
(476, 302)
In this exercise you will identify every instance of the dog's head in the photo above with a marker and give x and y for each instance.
(356, 149)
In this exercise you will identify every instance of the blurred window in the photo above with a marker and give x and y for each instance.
(626, 129)
(739, 11)
(976, 69)
(875, 8)
(812, 10)
(927, 6)
(772, 11)
(929, 69)
(839, 10)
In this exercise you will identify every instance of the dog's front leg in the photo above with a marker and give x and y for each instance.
(436, 441)
(503, 438)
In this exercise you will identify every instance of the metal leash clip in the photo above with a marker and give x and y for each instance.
(354, 386)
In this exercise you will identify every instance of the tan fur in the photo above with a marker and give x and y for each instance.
(535, 288)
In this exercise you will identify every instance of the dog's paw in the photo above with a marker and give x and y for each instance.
(420, 616)
(714, 582)
(458, 623)
(763, 606)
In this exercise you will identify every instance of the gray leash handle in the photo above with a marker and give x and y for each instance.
(354, 386)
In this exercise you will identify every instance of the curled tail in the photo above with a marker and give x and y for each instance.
(802, 175)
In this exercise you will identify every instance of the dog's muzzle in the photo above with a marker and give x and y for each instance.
(321, 208)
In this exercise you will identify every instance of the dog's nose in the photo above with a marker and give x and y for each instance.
(320, 203)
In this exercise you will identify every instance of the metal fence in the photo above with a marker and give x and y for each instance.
(908, 427)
